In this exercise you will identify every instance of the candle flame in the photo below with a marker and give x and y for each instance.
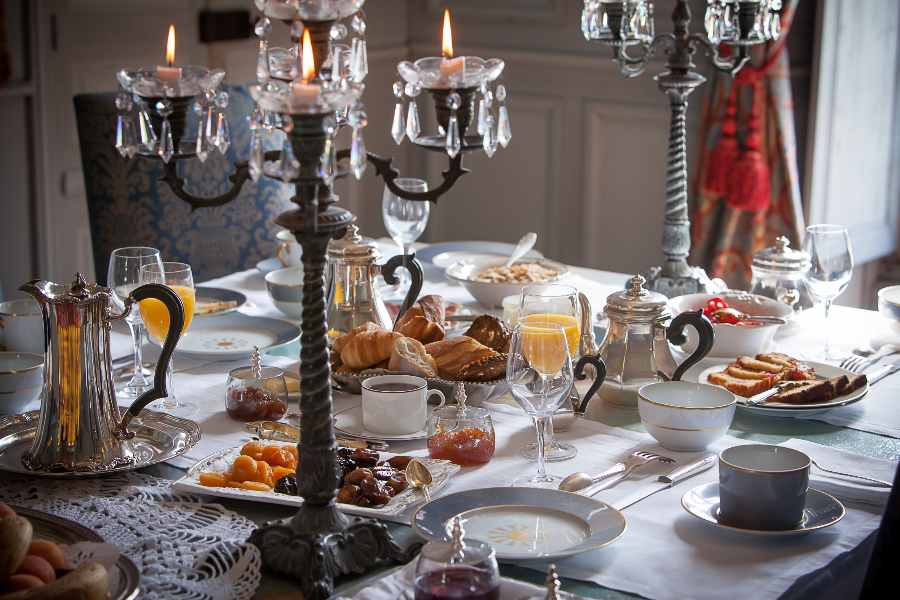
(170, 46)
(447, 42)
(309, 63)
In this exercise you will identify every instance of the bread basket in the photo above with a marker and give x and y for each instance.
(476, 393)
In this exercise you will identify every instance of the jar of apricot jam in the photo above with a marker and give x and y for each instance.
(464, 437)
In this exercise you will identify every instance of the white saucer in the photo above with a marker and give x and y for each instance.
(350, 422)
(270, 264)
(821, 511)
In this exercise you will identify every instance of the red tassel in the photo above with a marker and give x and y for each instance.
(750, 186)
(720, 161)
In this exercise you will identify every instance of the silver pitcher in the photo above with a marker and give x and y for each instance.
(79, 429)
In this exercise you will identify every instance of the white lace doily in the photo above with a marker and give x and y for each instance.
(184, 549)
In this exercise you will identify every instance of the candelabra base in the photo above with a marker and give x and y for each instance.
(692, 281)
(317, 558)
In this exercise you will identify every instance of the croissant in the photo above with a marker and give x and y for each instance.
(368, 348)
(341, 342)
(421, 329)
(452, 354)
(424, 321)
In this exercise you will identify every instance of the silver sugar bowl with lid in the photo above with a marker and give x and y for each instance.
(778, 274)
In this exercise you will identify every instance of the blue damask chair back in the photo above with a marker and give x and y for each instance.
(127, 206)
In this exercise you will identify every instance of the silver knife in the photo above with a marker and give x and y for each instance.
(667, 481)
(882, 373)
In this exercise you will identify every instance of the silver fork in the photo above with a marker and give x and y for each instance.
(858, 363)
(638, 459)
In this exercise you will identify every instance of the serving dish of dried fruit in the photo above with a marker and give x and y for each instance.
(373, 483)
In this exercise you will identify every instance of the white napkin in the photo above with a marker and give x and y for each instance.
(846, 488)
(395, 585)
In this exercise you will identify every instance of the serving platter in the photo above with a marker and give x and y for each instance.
(474, 249)
(210, 295)
(158, 437)
(222, 461)
(821, 511)
(233, 336)
(780, 409)
(524, 524)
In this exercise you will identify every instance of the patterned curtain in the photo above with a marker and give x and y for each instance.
(745, 188)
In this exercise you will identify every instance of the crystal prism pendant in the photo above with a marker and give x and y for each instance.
(262, 62)
(286, 168)
(482, 116)
(490, 139)
(357, 153)
(166, 145)
(398, 129)
(359, 66)
(223, 140)
(129, 139)
(148, 136)
(203, 144)
(452, 144)
(255, 161)
(120, 135)
(504, 132)
(326, 162)
(413, 129)
(269, 121)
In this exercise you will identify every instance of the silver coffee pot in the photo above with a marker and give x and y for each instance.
(79, 428)
(352, 297)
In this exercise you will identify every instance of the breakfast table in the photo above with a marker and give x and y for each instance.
(664, 552)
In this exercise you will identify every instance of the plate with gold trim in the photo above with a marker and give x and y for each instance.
(232, 337)
(524, 524)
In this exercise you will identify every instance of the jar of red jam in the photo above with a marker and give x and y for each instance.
(464, 437)
(256, 393)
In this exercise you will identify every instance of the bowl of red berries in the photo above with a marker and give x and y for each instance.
(744, 323)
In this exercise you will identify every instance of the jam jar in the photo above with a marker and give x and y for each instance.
(256, 393)
(777, 274)
(462, 434)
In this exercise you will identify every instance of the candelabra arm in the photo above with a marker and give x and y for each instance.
(384, 170)
(634, 66)
(240, 176)
(731, 65)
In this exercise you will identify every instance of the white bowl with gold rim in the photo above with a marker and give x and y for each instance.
(685, 416)
(21, 381)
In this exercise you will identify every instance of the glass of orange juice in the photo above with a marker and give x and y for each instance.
(179, 277)
(553, 303)
(539, 373)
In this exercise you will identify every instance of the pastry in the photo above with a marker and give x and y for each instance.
(409, 356)
(369, 348)
(424, 321)
(341, 342)
(490, 331)
(489, 368)
(452, 354)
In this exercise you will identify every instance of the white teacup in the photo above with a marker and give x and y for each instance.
(22, 326)
(289, 252)
(396, 404)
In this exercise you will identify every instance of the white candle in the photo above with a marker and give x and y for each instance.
(449, 66)
(168, 74)
(304, 91)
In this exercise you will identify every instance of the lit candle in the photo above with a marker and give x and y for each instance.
(449, 65)
(303, 89)
(169, 74)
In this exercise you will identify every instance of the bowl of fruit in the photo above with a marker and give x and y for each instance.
(744, 323)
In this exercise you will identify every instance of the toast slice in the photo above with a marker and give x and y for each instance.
(805, 394)
(740, 387)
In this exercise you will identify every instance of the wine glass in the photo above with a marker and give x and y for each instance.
(177, 276)
(556, 304)
(449, 569)
(827, 268)
(539, 374)
(123, 276)
(405, 220)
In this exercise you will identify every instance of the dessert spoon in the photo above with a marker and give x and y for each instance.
(419, 476)
(524, 245)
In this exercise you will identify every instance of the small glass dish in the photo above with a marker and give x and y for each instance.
(256, 393)
(457, 568)
(462, 434)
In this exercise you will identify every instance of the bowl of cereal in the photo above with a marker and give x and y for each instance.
(489, 281)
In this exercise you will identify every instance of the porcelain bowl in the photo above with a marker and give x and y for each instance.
(684, 416)
(734, 340)
(21, 381)
(489, 294)
(889, 305)
(285, 287)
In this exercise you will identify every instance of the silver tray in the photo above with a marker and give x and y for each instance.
(124, 577)
(476, 393)
(158, 437)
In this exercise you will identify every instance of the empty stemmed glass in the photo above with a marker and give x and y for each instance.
(123, 276)
(179, 277)
(539, 374)
(827, 268)
(559, 304)
(405, 220)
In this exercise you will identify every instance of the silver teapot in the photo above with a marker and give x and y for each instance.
(777, 274)
(352, 297)
(635, 350)
(79, 429)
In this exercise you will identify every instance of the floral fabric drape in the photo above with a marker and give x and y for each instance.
(745, 188)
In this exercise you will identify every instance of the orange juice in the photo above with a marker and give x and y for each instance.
(156, 317)
(569, 324)
(544, 347)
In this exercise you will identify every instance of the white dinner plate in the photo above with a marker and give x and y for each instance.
(821, 511)
(524, 524)
(350, 422)
(472, 249)
(232, 337)
(222, 462)
(204, 295)
(778, 409)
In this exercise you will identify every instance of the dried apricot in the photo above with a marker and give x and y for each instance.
(269, 451)
(37, 566)
(214, 479)
(279, 472)
(253, 449)
(256, 486)
(235, 484)
(49, 552)
(282, 458)
(292, 450)
(244, 468)
(17, 583)
(264, 474)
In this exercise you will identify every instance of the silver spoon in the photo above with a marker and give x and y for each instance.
(419, 476)
(731, 312)
(524, 245)
(580, 481)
